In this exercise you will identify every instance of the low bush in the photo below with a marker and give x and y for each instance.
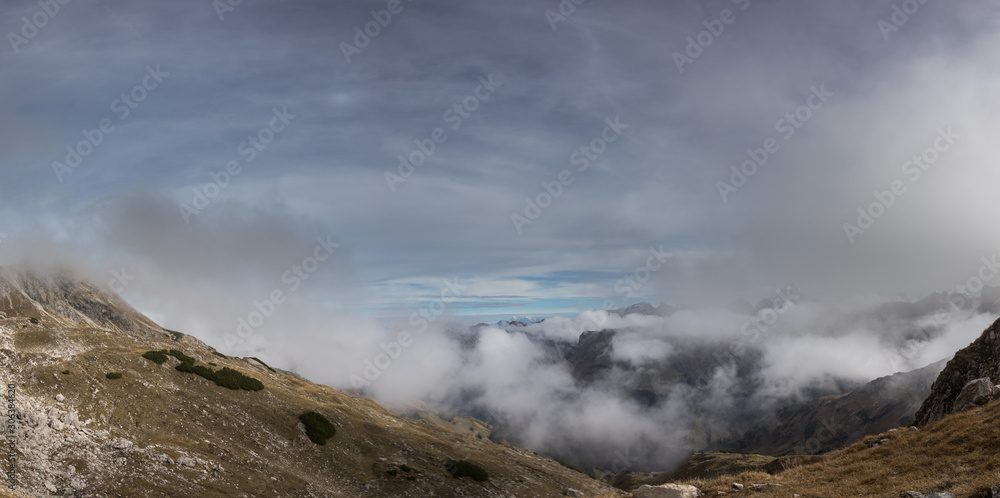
(113, 375)
(463, 468)
(265, 364)
(220, 355)
(226, 377)
(158, 357)
(180, 356)
(65, 372)
(33, 320)
(318, 428)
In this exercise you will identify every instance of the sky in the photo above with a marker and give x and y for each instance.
(201, 156)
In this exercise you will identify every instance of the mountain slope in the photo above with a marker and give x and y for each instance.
(956, 454)
(157, 431)
(832, 422)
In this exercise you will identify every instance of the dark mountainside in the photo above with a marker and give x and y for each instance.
(832, 422)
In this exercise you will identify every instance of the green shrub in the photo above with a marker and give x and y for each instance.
(113, 375)
(234, 379)
(411, 478)
(226, 377)
(392, 472)
(318, 428)
(213, 364)
(33, 320)
(462, 468)
(65, 372)
(158, 357)
(220, 355)
(405, 468)
(174, 334)
(265, 364)
(180, 356)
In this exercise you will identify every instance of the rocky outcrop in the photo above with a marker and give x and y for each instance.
(666, 491)
(65, 301)
(976, 393)
(979, 360)
(592, 355)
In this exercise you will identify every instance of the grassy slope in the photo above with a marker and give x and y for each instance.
(255, 436)
(959, 454)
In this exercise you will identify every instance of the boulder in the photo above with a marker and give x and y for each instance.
(977, 392)
(573, 492)
(121, 444)
(666, 491)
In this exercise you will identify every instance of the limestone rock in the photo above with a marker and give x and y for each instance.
(976, 393)
(667, 491)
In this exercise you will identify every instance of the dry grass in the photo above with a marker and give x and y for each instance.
(958, 454)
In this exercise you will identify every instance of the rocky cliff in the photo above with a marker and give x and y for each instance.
(981, 359)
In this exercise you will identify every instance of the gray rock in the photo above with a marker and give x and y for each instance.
(940, 495)
(976, 393)
(51, 487)
(121, 444)
(666, 491)
(60, 398)
(993, 492)
(186, 461)
(737, 485)
(573, 492)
